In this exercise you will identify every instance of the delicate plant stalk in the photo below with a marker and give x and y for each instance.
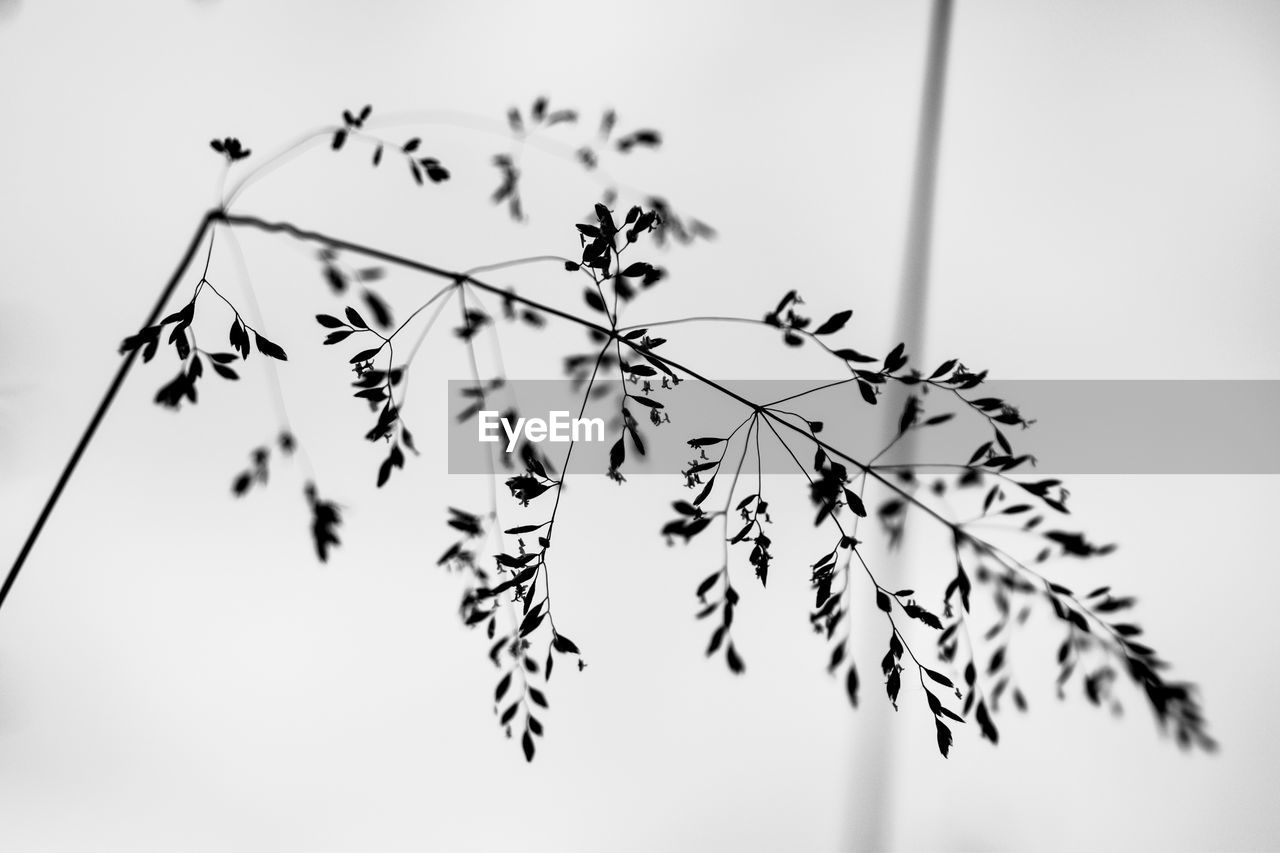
(525, 573)
(103, 407)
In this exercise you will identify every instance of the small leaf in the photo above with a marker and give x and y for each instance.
(381, 313)
(531, 621)
(985, 723)
(561, 643)
(636, 270)
(353, 316)
(944, 368)
(706, 490)
(944, 738)
(717, 637)
(939, 677)
(834, 323)
(896, 358)
(524, 528)
(268, 348)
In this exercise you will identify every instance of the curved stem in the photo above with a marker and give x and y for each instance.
(704, 319)
(517, 262)
(439, 118)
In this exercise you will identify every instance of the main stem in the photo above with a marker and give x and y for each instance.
(459, 279)
(107, 399)
(241, 220)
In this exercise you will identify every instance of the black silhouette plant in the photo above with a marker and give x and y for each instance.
(505, 570)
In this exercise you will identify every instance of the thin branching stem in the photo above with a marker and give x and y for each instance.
(430, 269)
(166, 293)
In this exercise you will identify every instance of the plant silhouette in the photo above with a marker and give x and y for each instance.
(964, 671)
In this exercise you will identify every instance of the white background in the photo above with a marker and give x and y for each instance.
(176, 673)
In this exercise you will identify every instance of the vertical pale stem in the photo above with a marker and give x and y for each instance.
(869, 814)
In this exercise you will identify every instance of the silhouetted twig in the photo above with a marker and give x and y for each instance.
(1098, 644)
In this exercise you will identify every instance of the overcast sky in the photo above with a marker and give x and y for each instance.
(177, 673)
